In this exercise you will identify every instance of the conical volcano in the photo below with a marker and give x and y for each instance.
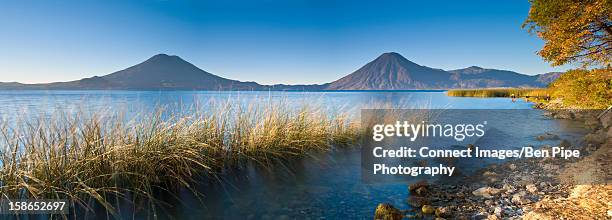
(391, 71)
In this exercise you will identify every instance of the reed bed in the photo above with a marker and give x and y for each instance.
(100, 158)
(500, 92)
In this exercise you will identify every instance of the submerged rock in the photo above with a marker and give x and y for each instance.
(412, 216)
(385, 211)
(547, 136)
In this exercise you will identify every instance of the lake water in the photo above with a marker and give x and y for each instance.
(327, 186)
(37, 103)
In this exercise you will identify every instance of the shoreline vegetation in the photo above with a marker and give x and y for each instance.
(103, 160)
(500, 93)
(574, 89)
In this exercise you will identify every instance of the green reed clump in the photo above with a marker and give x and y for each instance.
(97, 158)
(499, 92)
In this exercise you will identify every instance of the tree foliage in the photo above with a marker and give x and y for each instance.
(584, 88)
(573, 30)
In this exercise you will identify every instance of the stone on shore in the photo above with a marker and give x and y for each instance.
(486, 192)
(385, 211)
(443, 212)
(421, 191)
(520, 198)
(413, 187)
(498, 211)
(565, 143)
(428, 210)
(531, 188)
(512, 166)
(418, 201)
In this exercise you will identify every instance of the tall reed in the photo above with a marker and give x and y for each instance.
(499, 92)
(101, 157)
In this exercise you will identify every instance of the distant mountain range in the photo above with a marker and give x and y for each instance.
(390, 71)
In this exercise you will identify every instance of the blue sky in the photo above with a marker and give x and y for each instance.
(263, 41)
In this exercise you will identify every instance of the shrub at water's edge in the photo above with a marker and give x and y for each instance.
(584, 89)
(87, 159)
(575, 89)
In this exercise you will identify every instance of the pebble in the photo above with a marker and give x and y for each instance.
(421, 191)
(417, 201)
(512, 166)
(480, 216)
(531, 188)
(499, 211)
(413, 187)
(486, 192)
(520, 199)
(443, 212)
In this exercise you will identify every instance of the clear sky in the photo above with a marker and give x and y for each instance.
(263, 41)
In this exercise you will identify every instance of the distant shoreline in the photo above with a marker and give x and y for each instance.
(185, 90)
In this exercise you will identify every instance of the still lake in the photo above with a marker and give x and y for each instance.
(327, 186)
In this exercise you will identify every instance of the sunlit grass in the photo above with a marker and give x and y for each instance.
(500, 92)
(100, 157)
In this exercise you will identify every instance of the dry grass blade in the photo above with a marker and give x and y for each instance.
(105, 158)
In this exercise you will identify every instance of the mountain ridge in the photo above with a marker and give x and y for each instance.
(393, 71)
(389, 71)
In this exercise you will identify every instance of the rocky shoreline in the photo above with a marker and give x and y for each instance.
(526, 188)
